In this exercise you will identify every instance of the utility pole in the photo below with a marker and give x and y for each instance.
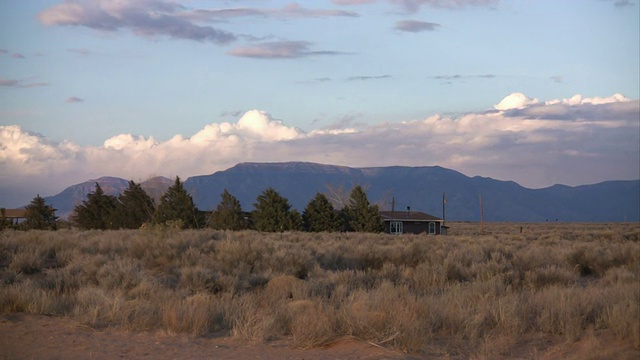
(481, 216)
(444, 214)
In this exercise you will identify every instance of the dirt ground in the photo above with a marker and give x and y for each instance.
(24, 336)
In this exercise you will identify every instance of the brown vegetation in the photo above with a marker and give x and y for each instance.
(463, 295)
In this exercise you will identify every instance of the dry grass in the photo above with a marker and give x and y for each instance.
(469, 294)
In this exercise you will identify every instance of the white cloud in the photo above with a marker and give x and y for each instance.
(515, 101)
(579, 99)
(129, 142)
(527, 141)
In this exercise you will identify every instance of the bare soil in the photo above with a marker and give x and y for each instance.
(26, 336)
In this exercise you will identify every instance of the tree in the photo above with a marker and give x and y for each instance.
(5, 223)
(360, 215)
(135, 207)
(177, 205)
(272, 213)
(97, 212)
(338, 196)
(39, 215)
(228, 214)
(319, 215)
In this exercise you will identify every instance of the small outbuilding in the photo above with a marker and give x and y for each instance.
(412, 222)
(13, 215)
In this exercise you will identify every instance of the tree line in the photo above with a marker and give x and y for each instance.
(272, 212)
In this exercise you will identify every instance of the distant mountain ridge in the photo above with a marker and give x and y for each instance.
(421, 188)
(68, 198)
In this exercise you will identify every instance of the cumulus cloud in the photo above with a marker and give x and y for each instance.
(515, 101)
(523, 139)
(142, 17)
(415, 26)
(280, 50)
(579, 99)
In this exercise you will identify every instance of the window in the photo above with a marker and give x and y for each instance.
(395, 227)
(432, 228)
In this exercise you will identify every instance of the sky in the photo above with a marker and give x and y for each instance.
(539, 92)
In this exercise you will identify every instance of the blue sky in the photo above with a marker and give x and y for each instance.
(107, 81)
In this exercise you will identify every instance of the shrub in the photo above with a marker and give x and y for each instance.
(462, 295)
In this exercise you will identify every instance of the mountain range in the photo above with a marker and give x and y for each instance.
(420, 188)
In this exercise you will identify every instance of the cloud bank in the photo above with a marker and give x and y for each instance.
(142, 17)
(573, 141)
(154, 18)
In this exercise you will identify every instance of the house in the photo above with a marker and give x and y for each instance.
(412, 222)
(12, 215)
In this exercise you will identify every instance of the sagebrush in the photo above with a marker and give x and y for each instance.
(470, 293)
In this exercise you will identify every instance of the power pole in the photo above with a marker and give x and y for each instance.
(481, 216)
(444, 214)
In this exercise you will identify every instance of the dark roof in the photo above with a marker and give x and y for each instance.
(407, 215)
(13, 213)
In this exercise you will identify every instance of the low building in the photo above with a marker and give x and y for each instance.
(412, 222)
(12, 216)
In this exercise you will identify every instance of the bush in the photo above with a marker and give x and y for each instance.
(462, 295)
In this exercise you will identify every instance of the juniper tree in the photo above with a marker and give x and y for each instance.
(135, 207)
(39, 215)
(273, 213)
(360, 215)
(96, 212)
(5, 223)
(177, 205)
(228, 214)
(319, 215)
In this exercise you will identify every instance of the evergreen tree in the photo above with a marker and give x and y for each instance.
(319, 215)
(272, 213)
(97, 212)
(39, 215)
(177, 205)
(135, 207)
(360, 215)
(228, 214)
(296, 222)
(5, 223)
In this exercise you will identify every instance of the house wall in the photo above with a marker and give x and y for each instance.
(413, 227)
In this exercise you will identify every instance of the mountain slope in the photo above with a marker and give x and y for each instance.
(72, 196)
(421, 188)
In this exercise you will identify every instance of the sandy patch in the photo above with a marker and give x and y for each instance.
(24, 336)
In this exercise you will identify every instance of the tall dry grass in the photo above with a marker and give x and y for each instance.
(467, 294)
